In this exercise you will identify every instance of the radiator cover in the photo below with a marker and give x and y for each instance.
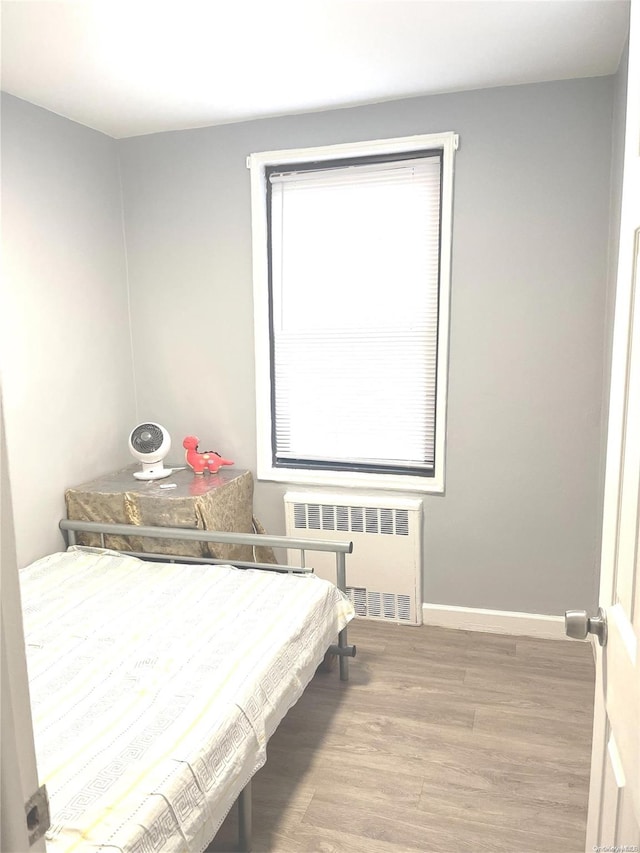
(384, 572)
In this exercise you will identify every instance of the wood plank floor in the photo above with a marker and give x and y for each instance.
(441, 741)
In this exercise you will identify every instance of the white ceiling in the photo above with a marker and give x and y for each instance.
(128, 67)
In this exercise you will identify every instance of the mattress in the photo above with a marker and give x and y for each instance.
(155, 688)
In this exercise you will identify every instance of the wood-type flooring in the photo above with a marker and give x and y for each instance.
(442, 741)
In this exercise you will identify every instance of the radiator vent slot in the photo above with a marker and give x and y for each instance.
(313, 517)
(402, 522)
(358, 597)
(373, 604)
(384, 572)
(404, 607)
(300, 516)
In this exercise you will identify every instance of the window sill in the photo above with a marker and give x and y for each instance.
(353, 480)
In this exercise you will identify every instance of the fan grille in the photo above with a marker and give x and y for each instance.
(147, 438)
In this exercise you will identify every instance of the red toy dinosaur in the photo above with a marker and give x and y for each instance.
(201, 462)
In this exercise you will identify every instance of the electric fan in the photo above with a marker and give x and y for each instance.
(150, 443)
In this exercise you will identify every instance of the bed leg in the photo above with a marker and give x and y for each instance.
(341, 577)
(244, 819)
(344, 660)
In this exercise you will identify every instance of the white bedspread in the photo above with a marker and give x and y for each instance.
(155, 688)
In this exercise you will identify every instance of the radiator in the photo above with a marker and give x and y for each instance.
(384, 572)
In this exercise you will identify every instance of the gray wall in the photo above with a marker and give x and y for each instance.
(66, 354)
(519, 526)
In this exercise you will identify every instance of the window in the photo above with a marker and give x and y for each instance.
(351, 297)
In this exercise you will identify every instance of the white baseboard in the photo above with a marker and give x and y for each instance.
(495, 621)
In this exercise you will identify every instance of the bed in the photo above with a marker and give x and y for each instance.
(156, 685)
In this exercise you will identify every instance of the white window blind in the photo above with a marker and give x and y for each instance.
(354, 277)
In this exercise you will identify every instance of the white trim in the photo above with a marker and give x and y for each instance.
(616, 763)
(495, 621)
(257, 163)
(355, 149)
(349, 499)
(339, 479)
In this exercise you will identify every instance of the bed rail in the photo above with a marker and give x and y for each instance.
(340, 548)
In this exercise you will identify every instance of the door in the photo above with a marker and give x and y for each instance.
(17, 755)
(614, 799)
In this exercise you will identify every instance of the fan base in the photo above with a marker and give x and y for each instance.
(153, 472)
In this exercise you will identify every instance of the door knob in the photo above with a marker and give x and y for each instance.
(577, 625)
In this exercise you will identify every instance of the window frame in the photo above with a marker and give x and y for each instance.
(259, 164)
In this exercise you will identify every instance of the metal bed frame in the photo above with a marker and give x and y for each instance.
(343, 650)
